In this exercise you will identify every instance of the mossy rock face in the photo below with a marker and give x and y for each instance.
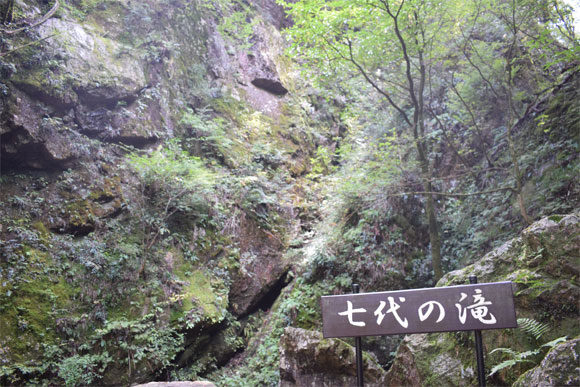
(30, 309)
(203, 299)
(41, 84)
(100, 68)
(543, 264)
(200, 296)
(121, 71)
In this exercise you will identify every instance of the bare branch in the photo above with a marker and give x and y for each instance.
(375, 86)
(451, 194)
(473, 120)
(6, 53)
(48, 15)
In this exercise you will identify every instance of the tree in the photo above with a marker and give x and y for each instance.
(421, 56)
(512, 51)
(392, 45)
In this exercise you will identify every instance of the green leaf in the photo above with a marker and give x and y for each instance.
(502, 365)
(555, 342)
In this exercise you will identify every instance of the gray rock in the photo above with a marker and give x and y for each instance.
(560, 367)
(31, 140)
(101, 68)
(306, 359)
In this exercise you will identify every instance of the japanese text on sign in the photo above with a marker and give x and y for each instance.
(466, 307)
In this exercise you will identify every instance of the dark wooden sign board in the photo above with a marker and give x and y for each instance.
(445, 309)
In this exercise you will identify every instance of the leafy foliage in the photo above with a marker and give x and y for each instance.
(128, 290)
(533, 327)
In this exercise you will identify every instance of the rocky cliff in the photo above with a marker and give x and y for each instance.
(162, 171)
(152, 158)
(543, 265)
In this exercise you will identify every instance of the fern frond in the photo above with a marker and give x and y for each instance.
(555, 342)
(533, 327)
(502, 365)
(523, 355)
(509, 351)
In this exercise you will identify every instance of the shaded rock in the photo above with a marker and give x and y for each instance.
(129, 125)
(36, 84)
(86, 207)
(411, 367)
(99, 88)
(259, 284)
(33, 139)
(306, 359)
(404, 370)
(274, 86)
(264, 269)
(560, 367)
(543, 266)
(273, 12)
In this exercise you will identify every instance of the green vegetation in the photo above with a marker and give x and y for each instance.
(535, 329)
(432, 68)
(161, 215)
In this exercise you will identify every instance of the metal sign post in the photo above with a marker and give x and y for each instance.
(358, 347)
(478, 347)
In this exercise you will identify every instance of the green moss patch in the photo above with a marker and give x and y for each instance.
(29, 316)
(203, 298)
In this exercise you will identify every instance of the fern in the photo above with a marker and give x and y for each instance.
(502, 365)
(533, 327)
(555, 342)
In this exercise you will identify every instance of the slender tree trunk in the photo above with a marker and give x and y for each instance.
(7, 11)
(517, 176)
(511, 146)
(434, 237)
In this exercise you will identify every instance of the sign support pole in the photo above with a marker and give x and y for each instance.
(478, 347)
(358, 347)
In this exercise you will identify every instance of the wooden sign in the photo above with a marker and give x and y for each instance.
(452, 308)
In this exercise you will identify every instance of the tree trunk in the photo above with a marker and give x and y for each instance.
(517, 175)
(434, 236)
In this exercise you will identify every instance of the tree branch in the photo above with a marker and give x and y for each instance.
(450, 194)
(6, 53)
(473, 120)
(48, 15)
(374, 85)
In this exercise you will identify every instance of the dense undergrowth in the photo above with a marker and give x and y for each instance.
(150, 249)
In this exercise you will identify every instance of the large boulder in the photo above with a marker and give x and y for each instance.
(31, 139)
(543, 265)
(263, 269)
(306, 359)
